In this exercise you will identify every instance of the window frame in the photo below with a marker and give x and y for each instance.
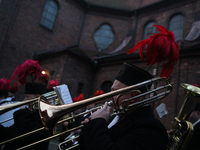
(149, 24)
(177, 27)
(46, 15)
(100, 35)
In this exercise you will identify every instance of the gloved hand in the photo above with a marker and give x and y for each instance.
(100, 113)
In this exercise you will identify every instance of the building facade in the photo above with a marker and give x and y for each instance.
(83, 44)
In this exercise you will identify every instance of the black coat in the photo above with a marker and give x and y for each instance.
(25, 121)
(137, 131)
(194, 143)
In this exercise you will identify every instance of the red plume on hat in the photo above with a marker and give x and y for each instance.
(160, 47)
(4, 84)
(99, 92)
(14, 88)
(195, 85)
(29, 67)
(75, 99)
(52, 84)
(81, 97)
(78, 98)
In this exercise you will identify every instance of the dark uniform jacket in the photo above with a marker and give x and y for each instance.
(25, 121)
(137, 131)
(194, 143)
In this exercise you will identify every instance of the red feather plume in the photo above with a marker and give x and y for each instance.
(29, 67)
(52, 84)
(98, 93)
(75, 99)
(14, 88)
(160, 47)
(4, 84)
(80, 97)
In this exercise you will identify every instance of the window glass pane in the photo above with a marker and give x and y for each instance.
(101, 32)
(104, 36)
(96, 38)
(106, 33)
(49, 14)
(104, 40)
(53, 4)
(97, 33)
(44, 14)
(51, 26)
(105, 26)
(176, 25)
(42, 21)
(50, 9)
(148, 30)
(46, 7)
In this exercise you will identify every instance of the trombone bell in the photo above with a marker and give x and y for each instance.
(183, 130)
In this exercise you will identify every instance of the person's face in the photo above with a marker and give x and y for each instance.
(30, 96)
(194, 116)
(119, 85)
(10, 94)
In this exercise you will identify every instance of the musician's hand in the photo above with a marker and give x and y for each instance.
(22, 107)
(65, 123)
(170, 132)
(85, 121)
(102, 113)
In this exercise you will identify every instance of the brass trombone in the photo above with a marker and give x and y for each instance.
(50, 115)
(5, 108)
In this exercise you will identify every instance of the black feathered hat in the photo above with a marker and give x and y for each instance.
(35, 88)
(28, 74)
(131, 74)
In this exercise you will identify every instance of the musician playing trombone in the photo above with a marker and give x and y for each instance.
(26, 120)
(137, 129)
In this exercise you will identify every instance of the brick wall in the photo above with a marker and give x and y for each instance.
(93, 21)
(27, 36)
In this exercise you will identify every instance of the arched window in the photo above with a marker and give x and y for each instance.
(106, 86)
(49, 14)
(176, 25)
(104, 36)
(149, 29)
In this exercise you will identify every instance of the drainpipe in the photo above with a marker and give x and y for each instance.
(83, 21)
(136, 23)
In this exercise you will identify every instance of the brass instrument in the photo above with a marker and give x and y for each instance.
(50, 96)
(70, 142)
(183, 129)
(51, 115)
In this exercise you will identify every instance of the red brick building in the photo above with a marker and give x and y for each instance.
(66, 38)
